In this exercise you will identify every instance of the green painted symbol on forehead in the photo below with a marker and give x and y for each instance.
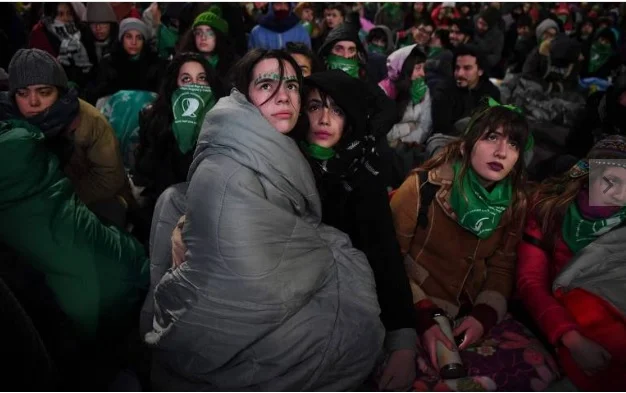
(275, 77)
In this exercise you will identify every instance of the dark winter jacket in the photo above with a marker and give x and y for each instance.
(452, 103)
(117, 72)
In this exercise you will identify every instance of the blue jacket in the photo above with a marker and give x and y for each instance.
(272, 33)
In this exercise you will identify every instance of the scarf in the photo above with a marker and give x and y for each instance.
(71, 51)
(418, 90)
(213, 59)
(349, 66)
(189, 105)
(166, 40)
(308, 27)
(102, 48)
(373, 48)
(434, 51)
(478, 210)
(578, 231)
(318, 152)
(598, 56)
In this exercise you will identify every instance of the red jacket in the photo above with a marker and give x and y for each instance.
(558, 313)
(434, 16)
(39, 39)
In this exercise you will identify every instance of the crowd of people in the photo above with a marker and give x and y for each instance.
(313, 196)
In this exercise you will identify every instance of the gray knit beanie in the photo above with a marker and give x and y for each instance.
(134, 24)
(545, 25)
(35, 67)
(100, 13)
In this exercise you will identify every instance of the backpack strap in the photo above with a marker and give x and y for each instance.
(427, 194)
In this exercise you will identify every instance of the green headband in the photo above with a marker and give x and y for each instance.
(491, 103)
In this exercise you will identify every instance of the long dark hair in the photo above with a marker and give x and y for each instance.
(159, 115)
(241, 76)
(513, 125)
(224, 48)
(403, 83)
(50, 10)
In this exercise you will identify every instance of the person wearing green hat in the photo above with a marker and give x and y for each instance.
(209, 37)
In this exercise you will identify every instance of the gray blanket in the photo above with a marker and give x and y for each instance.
(268, 298)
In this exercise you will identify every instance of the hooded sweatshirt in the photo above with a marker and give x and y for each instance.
(272, 33)
(491, 43)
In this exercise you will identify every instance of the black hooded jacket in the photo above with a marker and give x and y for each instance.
(354, 198)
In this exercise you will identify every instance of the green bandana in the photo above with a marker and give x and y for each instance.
(418, 90)
(578, 232)
(166, 41)
(308, 27)
(349, 66)
(373, 48)
(213, 59)
(434, 51)
(562, 18)
(482, 211)
(598, 56)
(318, 152)
(135, 57)
(189, 104)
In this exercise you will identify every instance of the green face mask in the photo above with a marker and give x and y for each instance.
(166, 40)
(373, 48)
(599, 55)
(189, 105)
(478, 210)
(434, 51)
(418, 90)
(349, 66)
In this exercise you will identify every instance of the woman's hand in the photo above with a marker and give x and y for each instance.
(590, 356)
(429, 341)
(473, 332)
(399, 373)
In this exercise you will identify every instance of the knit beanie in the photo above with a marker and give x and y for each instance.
(35, 67)
(611, 147)
(213, 19)
(545, 25)
(100, 13)
(134, 24)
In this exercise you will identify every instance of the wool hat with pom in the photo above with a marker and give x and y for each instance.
(212, 18)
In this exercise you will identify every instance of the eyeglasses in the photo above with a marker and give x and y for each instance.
(207, 34)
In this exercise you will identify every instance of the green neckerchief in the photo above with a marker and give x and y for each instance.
(562, 18)
(189, 104)
(307, 26)
(434, 51)
(478, 210)
(213, 59)
(318, 152)
(166, 40)
(418, 90)
(134, 57)
(349, 66)
(578, 232)
(373, 48)
(598, 56)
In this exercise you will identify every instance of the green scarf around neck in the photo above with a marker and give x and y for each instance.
(418, 90)
(599, 55)
(349, 66)
(434, 51)
(578, 231)
(318, 152)
(478, 210)
(213, 59)
(189, 105)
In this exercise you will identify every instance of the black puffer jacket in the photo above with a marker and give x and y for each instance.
(117, 71)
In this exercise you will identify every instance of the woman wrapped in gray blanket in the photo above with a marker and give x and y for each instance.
(268, 298)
